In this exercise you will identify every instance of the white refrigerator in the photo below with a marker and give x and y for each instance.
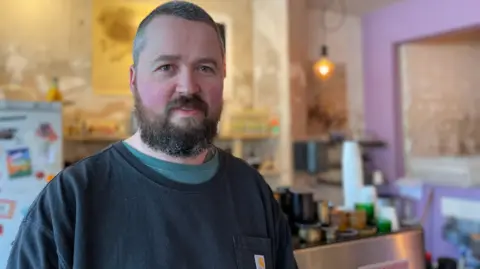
(31, 154)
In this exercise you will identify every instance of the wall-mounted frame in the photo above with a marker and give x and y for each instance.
(113, 30)
(226, 23)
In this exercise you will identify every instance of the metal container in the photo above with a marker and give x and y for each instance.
(310, 233)
(404, 249)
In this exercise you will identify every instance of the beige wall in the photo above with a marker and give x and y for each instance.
(345, 48)
(298, 57)
(55, 40)
(271, 87)
(440, 99)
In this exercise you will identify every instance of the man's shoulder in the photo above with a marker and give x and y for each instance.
(79, 175)
(243, 173)
(99, 159)
(69, 187)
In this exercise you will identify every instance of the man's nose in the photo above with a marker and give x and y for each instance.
(187, 84)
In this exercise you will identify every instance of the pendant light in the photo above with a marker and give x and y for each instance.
(323, 68)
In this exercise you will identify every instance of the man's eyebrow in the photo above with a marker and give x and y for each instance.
(166, 58)
(207, 60)
(174, 58)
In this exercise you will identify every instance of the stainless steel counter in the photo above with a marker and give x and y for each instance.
(404, 249)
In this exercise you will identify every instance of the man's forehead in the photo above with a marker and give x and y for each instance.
(169, 24)
(176, 36)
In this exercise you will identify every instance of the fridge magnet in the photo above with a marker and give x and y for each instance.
(19, 163)
(7, 207)
(46, 132)
(39, 175)
(8, 133)
(44, 149)
(52, 155)
(49, 177)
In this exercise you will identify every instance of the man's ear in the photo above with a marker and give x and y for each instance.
(133, 78)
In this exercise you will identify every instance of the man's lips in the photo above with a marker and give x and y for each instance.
(187, 111)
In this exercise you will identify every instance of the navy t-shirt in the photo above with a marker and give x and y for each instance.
(111, 211)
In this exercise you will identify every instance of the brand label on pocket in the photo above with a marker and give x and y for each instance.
(259, 262)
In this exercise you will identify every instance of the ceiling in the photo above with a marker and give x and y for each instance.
(353, 7)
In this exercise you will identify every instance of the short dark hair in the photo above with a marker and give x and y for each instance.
(180, 9)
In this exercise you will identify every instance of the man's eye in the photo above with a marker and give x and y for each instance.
(166, 67)
(205, 68)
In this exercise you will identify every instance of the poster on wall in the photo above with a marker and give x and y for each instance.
(19, 163)
(114, 26)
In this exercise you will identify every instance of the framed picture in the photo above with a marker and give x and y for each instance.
(114, 26)
(7, 208)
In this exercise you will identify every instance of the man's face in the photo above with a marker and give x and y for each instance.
(178, 86)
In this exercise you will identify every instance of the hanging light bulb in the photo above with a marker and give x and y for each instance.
(323, 68)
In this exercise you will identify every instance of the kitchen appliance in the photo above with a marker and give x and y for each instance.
(31, 154)
(304, 207)
(311, 156)
(400, 250)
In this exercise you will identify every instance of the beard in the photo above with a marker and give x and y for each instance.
(188, 137)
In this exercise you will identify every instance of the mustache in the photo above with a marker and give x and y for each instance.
(188, 101)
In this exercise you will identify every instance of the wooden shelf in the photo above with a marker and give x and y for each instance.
(94, 138)
(247, 137)
(270, 173)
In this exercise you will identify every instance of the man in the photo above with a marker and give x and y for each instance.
(165, 197)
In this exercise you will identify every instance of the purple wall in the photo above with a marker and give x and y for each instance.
(382, 31)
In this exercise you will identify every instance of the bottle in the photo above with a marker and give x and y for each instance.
(428, 260)
(274, 127)
(461, 263)
(54, 94)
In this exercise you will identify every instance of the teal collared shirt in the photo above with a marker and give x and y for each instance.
(183, 173)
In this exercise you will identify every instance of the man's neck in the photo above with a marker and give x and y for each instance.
(136, 142)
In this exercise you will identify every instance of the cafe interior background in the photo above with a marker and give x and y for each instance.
(401, 86)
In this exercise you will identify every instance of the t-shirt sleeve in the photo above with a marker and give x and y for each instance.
(34, 248)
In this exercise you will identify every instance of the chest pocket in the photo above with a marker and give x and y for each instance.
(253, 252)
